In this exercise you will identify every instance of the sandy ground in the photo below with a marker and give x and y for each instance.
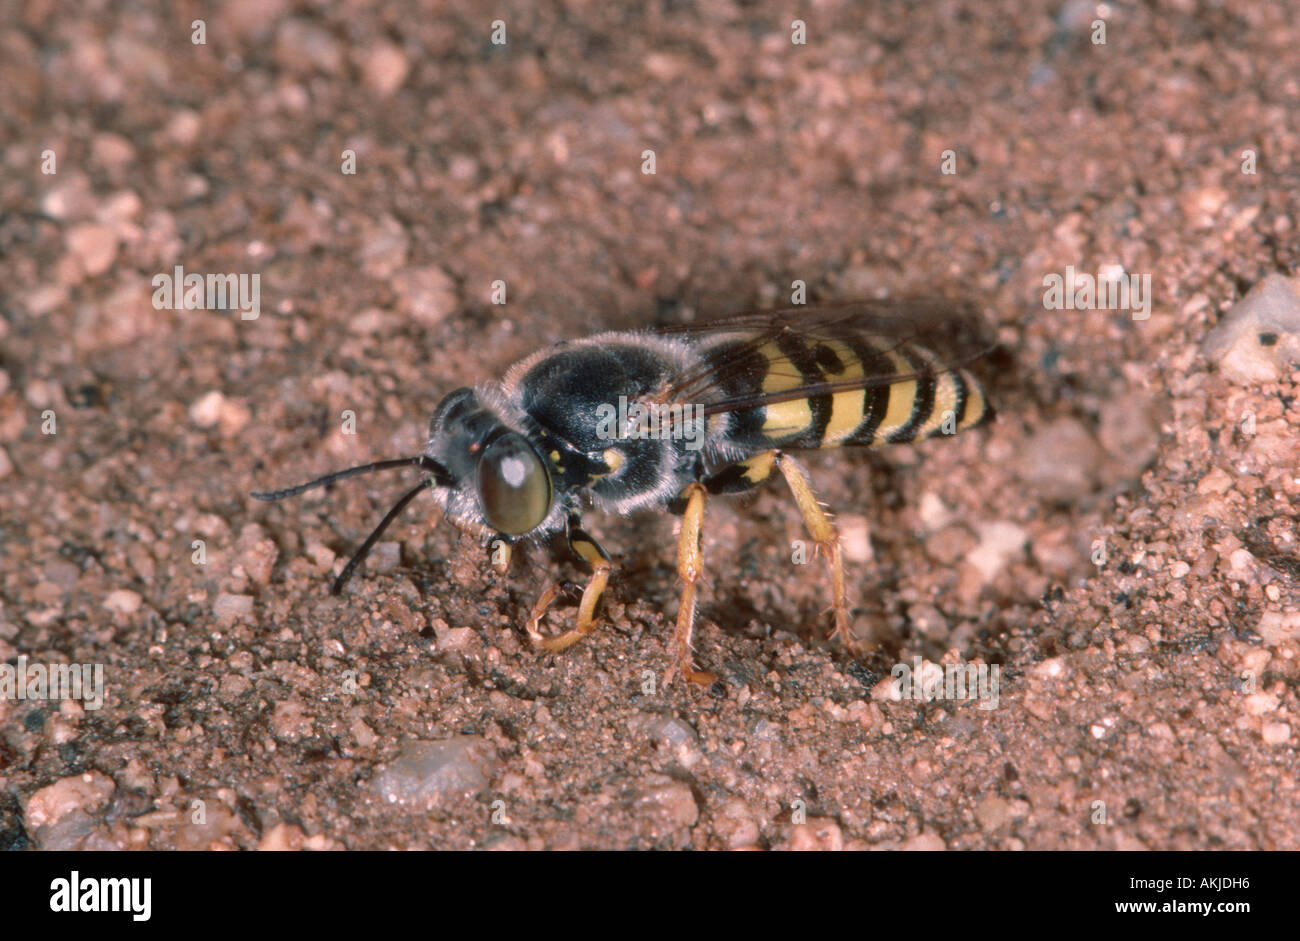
(1121, 544)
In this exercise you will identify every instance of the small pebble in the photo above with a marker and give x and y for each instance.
(79, 792)
(991, 812)
(290, 721)
(123, 601)
(214, 408)
(927, 619)
(385, 68)
(925, 842)
(999, 543)
(1258, 340)
(1062, 461)
(666, 802)
(94, 246)
(736, 824)
(1279, 627)
(426, 771)
(1275, 733)
(301, 45)
(1216, 480)
(427, 294)
(855, 537)
(817, 834)
(229, 608)
(672, 732)
(933, 512)
(257, 553)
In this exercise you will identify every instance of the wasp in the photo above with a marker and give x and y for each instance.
(662, 418)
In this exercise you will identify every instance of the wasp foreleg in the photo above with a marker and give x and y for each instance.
(594, 555)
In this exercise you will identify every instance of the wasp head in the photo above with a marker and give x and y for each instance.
(498, 475)
(488, 476)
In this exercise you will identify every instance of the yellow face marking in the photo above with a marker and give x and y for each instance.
(902, 399)
(783, 418)
(613, 459)
(847, 408)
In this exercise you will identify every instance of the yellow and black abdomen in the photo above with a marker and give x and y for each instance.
(801, 391)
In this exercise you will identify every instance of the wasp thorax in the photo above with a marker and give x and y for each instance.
(514, 486)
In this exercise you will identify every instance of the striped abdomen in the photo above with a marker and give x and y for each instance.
(797, 391)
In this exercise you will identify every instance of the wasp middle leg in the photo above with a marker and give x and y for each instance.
(594, 555)
(690, 566)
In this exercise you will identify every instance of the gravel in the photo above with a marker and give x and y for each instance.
(1122, 543)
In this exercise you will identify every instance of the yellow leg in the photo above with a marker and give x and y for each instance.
(825, 538)
(690, 566)
(598, 559)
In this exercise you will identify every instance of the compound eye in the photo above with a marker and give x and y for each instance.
(513, 485)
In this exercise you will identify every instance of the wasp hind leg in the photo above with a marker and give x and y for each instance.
(690, 566)
(594, 555)
(826, 540)
(825, 537)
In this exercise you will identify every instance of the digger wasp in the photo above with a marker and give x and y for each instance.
(663, 418)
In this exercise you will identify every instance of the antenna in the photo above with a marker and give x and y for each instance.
(437, 473)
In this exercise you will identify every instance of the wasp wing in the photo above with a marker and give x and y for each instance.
(862, 372)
